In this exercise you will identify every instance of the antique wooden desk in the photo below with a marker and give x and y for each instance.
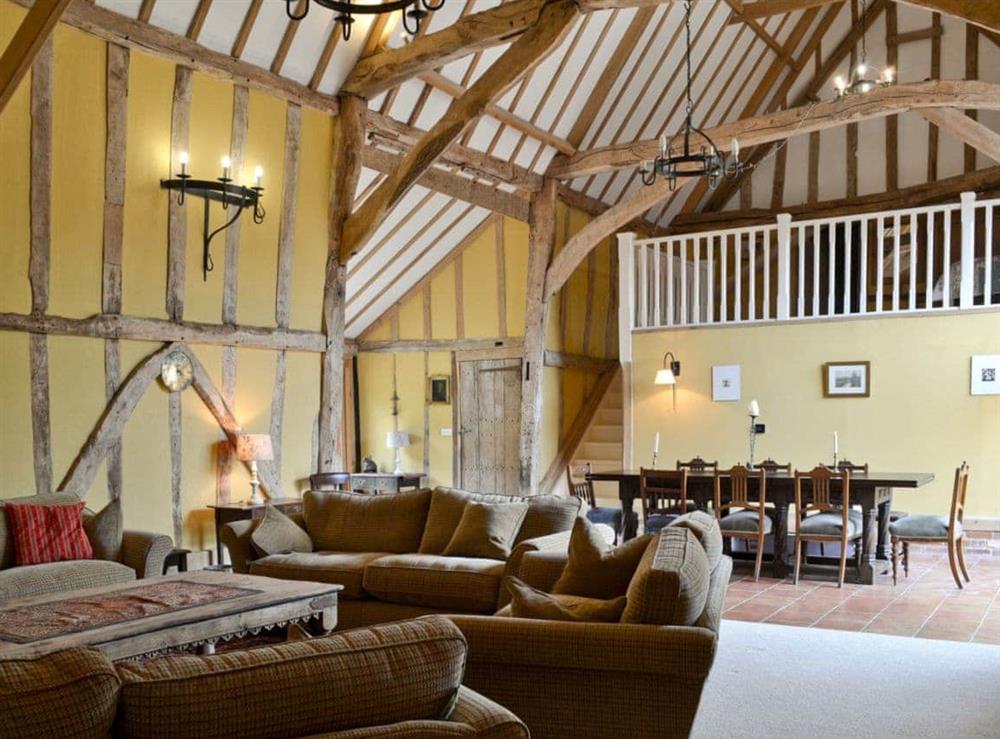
(229, 512)
(376, 482)
(872, 491)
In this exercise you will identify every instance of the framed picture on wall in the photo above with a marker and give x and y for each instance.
(439, 389)
(726, 382)
(847, 380)
(985, 374)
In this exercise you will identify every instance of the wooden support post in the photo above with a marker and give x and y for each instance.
(892, 121)
(180, 122)
(27, 44)
(626, 313)
(971, 73)
(541, 240)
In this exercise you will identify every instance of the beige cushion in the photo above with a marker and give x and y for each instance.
(277, 533)
(72, 694)
(671, 584)
(350, 522)
(529, 602)
(548, 514)
(345, 568)
(596, 569)
(6, 540)
(55, 577)
(706, 530)
(486, 530)
(409, 670)
(431, 580)
(105, 531)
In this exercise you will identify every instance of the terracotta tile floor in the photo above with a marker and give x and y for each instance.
(926, 605)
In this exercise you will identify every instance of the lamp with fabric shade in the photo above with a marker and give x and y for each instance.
(397, 440)
(253, 448)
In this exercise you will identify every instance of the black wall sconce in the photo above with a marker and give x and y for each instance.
(220, 190)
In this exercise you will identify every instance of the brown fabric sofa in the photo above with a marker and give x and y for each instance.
(609, 680)
(386, 551)
(394, 680)
(139, 555)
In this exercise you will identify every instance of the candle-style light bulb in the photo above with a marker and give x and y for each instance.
(862, 68)
(184, 162)
(227, 164)
(258, 176)
(840, 83)
(888, 74)
(735, 149)
(663, 146)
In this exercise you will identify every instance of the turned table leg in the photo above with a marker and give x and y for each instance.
(779, 519)
(869, 539)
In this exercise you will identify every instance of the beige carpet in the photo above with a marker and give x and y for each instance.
(786, 681)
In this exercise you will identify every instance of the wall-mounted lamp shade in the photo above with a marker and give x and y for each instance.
(397, 440)
(665, 376)
(254, 448)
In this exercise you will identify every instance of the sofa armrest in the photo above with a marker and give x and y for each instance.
(711, 617)
(236, 537)
(488, 719)
(558, 542)
(145, 552)
(542, 569)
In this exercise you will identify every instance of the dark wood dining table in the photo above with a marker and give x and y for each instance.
(871, 491)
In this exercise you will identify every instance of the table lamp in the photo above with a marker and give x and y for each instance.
(397, 440)
(253, 448)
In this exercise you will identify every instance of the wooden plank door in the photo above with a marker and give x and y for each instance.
(489, 411)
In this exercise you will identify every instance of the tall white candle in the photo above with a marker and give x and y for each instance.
(656, 444)
(754, 408)
(836, 443)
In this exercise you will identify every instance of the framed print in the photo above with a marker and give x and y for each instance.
(726, 382)
(847, 380)
(439, 389)
(985, 375)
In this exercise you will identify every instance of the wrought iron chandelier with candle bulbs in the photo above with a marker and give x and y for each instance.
(707, 161)
(414, 12)
(863, 77)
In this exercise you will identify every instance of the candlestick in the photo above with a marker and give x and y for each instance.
(184, 162)
(656, 444)
(754, 408)
(258, 176)
(836, 448)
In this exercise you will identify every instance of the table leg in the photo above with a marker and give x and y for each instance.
(779, 519)
(218, 539)
(869, 539)
(884, 508)
(627, 494)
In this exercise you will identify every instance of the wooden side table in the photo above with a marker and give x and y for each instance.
(375, 482)
(229, 512)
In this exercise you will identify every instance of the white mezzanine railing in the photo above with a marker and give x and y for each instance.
(939, 257)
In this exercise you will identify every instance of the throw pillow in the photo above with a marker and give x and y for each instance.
(278, 534)
(486, 530)
(354, 522)
(529, 602)
(595, 568)
(706, 530)
(7, 558)
(670, 587)
(48, 533)
(548, 514)
(105, 531)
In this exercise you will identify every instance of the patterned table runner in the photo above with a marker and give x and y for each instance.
(26, 624)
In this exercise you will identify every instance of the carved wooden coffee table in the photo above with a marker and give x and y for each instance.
(162, 614)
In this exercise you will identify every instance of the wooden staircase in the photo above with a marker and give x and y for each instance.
(601, 446)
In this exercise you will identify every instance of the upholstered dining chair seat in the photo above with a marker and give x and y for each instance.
(659, 521)
(922, 527)
(607, 515)
(744, 521)
(830, 524)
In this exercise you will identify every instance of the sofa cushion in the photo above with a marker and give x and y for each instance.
(345, 568)
(55, 577)
(706, 530)
(410, 670)
(486, 530)
(595, 568)
(434, 581)
(671, 584)
(277, 533)
(6, 540)
(105, 531)
(68, 694)
(529, 602)
(350, 522)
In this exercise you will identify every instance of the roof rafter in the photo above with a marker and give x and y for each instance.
(983, 13)
(28, 40)
(965, 129)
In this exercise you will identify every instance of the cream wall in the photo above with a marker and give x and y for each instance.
(920, 416)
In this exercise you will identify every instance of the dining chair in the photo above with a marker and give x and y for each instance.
(584, 490)
(330, 481)
(818, 518)
(664, 497)
(698, 464)
(771, 466)
(854, 469)
(931, 529)
(746, 519)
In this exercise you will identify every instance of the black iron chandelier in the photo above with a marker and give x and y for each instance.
(414, 11)
(864, 77)
(707, 161)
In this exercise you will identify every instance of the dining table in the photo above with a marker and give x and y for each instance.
(872, 491)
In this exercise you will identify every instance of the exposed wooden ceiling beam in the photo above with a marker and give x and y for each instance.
(286, 39)
(125, 31)
(198, 19)
(245, 28)
(767, 8)
(762, 33)
(324, 58)
(27, 42)
(475, 32)
(146, 10)
(966, 130)
(982, 13)
(522, 56)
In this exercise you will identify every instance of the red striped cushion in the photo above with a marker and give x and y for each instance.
(48, 533)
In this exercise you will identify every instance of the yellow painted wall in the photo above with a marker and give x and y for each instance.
(76, 365)
(920, 416)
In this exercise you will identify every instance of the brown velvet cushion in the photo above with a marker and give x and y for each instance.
(529, 602)
(351, 522)
(670, 587)
(596, 569)
(277, 534)
(6, 536)
(105, 531)
(72, 694)
(408, 670)
(706, 530)
(486, 530)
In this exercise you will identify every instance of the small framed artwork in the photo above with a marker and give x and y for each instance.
(726, 382)
(847, 380)
(439, 388)
(985, 374)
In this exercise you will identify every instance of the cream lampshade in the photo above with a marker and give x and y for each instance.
(397, 440)
(253, 448)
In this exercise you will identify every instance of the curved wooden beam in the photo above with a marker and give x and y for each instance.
(798, 121)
